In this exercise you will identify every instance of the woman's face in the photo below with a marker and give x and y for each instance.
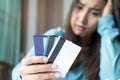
(85, 16)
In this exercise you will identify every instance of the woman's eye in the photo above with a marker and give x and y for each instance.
(95, 13)
(79, 7)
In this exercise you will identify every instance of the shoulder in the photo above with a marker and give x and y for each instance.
(59, 31)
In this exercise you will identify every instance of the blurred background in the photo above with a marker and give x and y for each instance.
(19, 21)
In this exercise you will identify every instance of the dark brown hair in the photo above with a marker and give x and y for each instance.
(116, 13)
(89, 57)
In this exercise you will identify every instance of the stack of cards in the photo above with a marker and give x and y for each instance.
(59, 51)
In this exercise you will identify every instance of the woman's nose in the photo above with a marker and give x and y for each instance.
(83, 17)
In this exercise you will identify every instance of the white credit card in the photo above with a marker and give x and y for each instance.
(63, 54)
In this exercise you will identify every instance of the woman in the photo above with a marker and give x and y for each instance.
(81, 29)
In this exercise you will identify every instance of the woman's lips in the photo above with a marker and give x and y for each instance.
(80, 28)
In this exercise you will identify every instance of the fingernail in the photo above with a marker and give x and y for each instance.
(54, 66)
(57, 75)
(45, 59)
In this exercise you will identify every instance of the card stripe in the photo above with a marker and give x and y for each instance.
(50, 44)
(56, 50)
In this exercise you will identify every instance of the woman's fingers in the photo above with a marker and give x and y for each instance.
(35, 68)
(41, 76)
(38, 68)
(108, 8)
(34, 60)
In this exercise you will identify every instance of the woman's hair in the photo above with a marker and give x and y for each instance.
(89, 57)
(116, 12)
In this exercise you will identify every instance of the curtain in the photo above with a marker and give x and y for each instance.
(10, 11)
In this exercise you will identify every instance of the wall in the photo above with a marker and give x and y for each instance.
(40, 16)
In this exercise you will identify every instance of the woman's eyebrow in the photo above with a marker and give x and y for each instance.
(79, 3)
(96, 9)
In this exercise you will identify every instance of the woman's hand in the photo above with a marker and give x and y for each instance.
(34, 68)
(108, 8)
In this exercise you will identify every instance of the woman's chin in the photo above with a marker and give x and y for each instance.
(79, 34)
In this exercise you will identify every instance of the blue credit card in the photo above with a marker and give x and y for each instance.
(43, 44)
(39, 44)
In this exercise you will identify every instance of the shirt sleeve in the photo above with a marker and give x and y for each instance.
(110, 49)
(15, 71)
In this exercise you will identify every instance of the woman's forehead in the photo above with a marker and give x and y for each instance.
(92, 3)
